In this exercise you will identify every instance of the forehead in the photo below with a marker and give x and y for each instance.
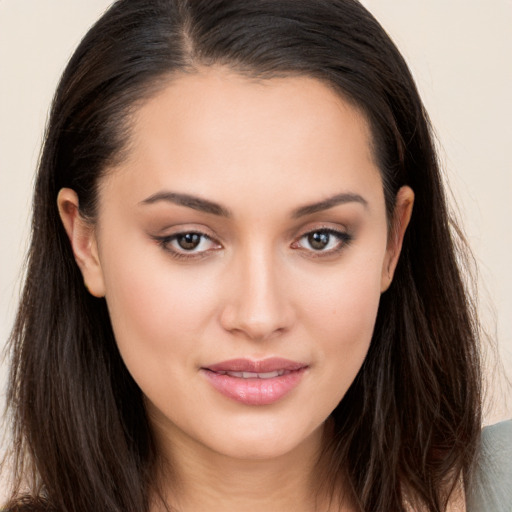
(213, 131)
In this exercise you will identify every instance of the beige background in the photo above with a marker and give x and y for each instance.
(460, 52)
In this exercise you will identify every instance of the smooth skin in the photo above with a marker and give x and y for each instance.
(287, 254)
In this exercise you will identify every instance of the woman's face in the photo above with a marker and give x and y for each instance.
(242, 248)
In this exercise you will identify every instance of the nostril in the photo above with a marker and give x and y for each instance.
(257, 306)
(252, 326)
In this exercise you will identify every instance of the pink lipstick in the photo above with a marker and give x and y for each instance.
(255, 382)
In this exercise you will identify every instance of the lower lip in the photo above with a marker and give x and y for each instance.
(255, 391)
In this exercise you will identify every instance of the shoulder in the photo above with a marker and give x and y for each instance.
(491, 486)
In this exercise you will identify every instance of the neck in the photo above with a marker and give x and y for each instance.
(201, 479)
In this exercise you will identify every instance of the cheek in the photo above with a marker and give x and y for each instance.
(340, 316)
(156, 312)
(344, 302)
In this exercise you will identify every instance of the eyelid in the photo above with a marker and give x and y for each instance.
(165, 242)
(343, 234)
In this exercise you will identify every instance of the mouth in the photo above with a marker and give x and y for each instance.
(255, 382)
(255, 375)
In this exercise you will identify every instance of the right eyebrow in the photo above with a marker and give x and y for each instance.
(189, 201)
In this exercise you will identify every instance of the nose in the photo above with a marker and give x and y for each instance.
(259, 305)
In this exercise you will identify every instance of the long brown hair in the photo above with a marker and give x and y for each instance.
(408, 426)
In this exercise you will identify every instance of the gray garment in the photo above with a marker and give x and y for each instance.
(491, 488)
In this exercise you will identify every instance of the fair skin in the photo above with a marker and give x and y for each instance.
(287, 255)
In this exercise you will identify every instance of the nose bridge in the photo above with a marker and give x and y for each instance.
(259, 306)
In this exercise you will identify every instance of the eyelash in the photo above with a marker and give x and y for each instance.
(165, 242)
(182, 254)
(344, 239)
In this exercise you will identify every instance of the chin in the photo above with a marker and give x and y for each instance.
(263, 442)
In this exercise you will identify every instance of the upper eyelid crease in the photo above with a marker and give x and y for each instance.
(344, 238)
(341, 235)
(165, 240)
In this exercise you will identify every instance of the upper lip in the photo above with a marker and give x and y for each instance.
(263, 366)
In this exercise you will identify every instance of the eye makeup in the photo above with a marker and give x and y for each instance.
(194, 244)
(188, 245)
(323, 241)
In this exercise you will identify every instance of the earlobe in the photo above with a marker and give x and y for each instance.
(401, 216)
(82, 237)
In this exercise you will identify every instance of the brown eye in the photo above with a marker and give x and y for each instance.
(319, 240)
(188, 241)
(323, 241)
(188, 244)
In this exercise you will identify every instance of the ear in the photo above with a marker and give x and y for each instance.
(401, 216)
(82, 236)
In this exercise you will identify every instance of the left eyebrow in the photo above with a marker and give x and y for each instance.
(329, 203)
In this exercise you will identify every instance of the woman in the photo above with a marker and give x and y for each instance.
(242, 289)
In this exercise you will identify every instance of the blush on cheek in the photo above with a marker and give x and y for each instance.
(149, 310)
(350, 300)
(345, 315)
